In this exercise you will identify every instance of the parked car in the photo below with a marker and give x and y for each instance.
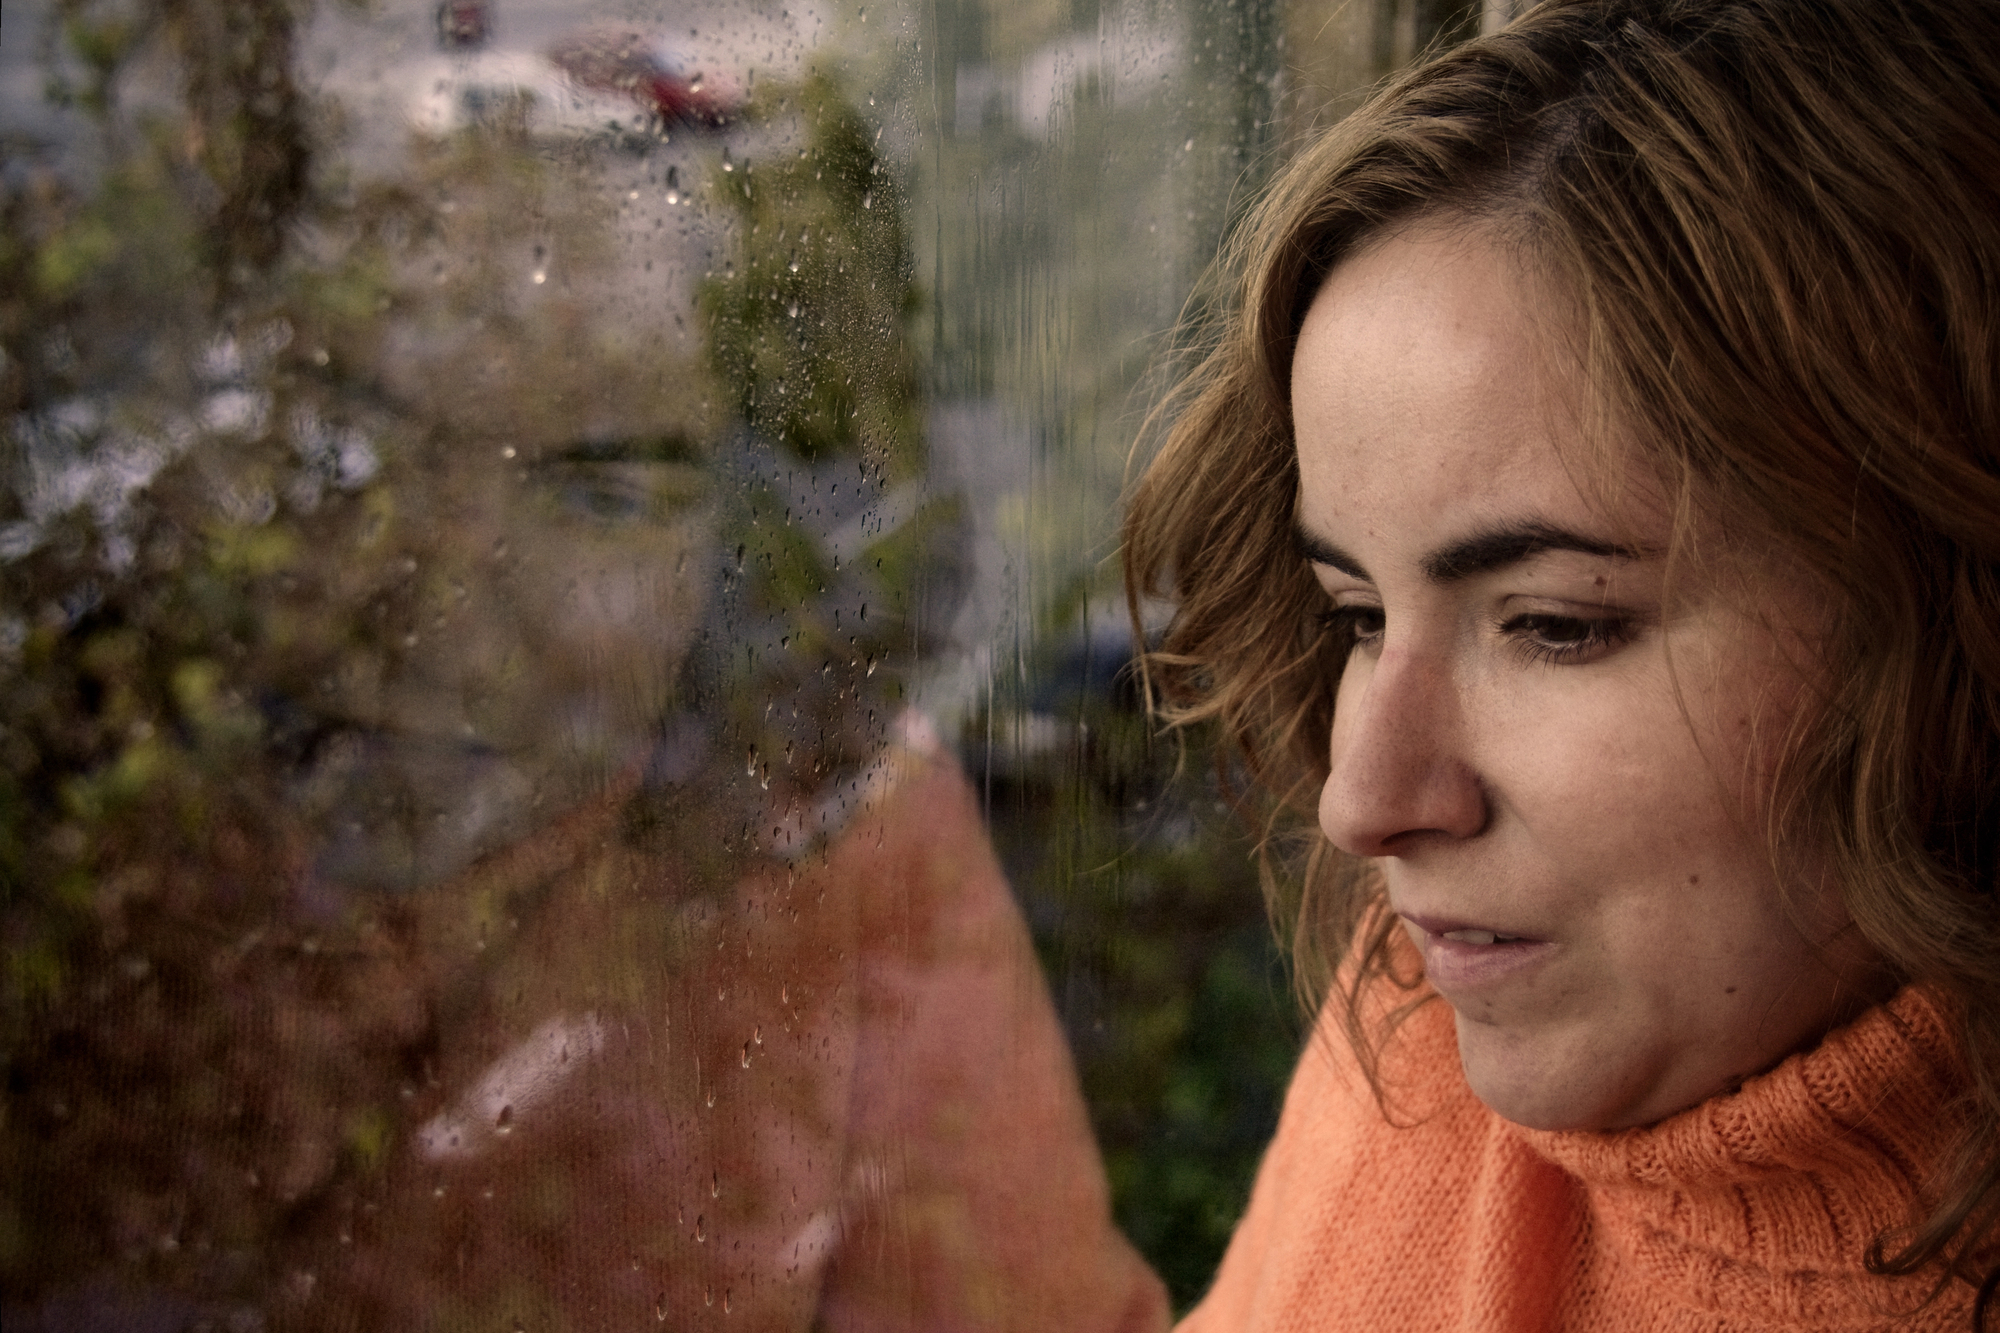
(643, 68)
(612, 83)
(464, 24)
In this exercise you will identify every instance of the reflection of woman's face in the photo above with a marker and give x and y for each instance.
(526, 654)
(536, 563)
(1559, 773)
(565, 596)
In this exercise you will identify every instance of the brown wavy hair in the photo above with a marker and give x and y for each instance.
(1779, 225)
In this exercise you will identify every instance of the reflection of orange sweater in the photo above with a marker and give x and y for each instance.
(829, 1095)
(1753, 1210)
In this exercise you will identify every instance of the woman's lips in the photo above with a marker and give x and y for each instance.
(1463, 956)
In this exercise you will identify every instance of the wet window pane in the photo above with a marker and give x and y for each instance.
(567, 755)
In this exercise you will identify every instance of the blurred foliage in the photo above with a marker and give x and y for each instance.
(1145, 904)
(242, 118)
(807, 325)
(811, 334)
(1088, 159)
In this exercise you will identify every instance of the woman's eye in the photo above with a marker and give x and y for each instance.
(1565, 638)
(603, 502)
(1354, 625)
(620, 494)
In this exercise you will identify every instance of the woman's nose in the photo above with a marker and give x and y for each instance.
(1399, 777)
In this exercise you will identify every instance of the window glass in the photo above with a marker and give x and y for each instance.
(562, 668)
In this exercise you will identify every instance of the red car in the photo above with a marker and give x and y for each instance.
(640, 67)
(463, 23)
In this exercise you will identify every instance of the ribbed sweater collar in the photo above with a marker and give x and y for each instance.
(1738, 1202)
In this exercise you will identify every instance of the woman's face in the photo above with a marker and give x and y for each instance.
(1560, 773)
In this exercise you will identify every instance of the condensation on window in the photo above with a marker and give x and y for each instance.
(567, 757)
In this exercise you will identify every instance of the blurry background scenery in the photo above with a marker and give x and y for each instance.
(438, 435)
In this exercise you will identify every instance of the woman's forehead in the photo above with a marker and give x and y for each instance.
(1425, 370)
(1444, 355)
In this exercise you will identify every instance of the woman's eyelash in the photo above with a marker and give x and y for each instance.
(1354, 624)
(1543, 637)
(1548, 638)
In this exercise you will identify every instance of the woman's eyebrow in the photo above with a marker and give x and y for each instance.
(1319, 551)
(1497, 547)
(1478, 553)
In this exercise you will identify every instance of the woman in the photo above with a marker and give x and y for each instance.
(1591, 511)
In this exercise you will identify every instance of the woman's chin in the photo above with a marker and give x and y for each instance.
(1553, 1083)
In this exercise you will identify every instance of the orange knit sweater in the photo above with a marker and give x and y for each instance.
(1751, 1211)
